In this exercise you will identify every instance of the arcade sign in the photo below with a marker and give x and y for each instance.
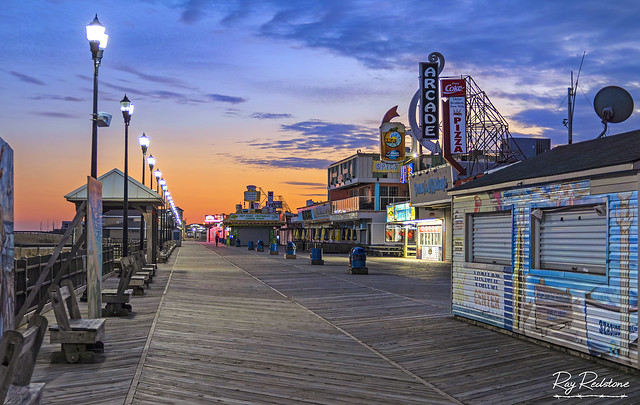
(429, 89)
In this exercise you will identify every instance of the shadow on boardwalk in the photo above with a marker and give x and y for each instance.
(236, 326)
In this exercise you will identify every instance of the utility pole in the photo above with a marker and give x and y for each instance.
(570, 110)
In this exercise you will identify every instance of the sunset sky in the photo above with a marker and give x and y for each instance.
(270, 92)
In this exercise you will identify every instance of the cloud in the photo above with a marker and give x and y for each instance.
(313, 136)
(170, 81)
(52, 114)
(27, 79)
(318, 135)
(270, 116)
(58, 98)
(226, 99)
(305, 184)
(193, 11)
(289, 162)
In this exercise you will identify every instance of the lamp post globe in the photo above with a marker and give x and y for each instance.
(127, 111)
(97, 43)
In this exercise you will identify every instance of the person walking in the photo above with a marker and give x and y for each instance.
(217, 239)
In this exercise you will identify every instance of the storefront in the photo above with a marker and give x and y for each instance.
(430, 239)
(428, 196)
(548, 247)
(252, 227)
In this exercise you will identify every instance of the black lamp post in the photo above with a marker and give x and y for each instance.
(163, 220)
(97, 42)
(157, 174)
(151, 161)
(143, 140)
(127, 112)
(167, 213)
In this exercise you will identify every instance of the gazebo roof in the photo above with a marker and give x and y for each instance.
(113, 190)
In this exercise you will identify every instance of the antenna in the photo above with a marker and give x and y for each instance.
(571, 101)
(612, 104)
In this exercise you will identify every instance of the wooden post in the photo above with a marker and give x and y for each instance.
(7, 272)
(93, 223)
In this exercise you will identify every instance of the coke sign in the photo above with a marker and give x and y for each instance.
(453, 88)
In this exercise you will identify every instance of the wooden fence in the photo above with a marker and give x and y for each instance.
(28, 269)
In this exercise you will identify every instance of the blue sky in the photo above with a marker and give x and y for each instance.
(270, 92)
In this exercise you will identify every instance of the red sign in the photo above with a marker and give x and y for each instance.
(453, 88)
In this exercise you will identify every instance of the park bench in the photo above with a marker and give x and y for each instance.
(146, 265)
(167, 248)
(385, 250)
(18, 354)
(117, 299)
(137, 282)
(80, 338)
(140, 269)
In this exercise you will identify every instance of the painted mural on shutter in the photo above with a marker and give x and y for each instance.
(587, 309)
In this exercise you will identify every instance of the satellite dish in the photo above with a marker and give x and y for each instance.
(612, 104)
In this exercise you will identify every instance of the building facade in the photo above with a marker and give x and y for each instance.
(548, 247)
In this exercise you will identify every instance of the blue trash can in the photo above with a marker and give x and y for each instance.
(237, 242)
(291, 250)
(273, 249)
(358, 261)
(250, 245)
(260, 246)
(316, 256)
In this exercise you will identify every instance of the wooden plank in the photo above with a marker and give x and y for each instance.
(235, 326)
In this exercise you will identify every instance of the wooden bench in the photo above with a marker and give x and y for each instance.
(80, 338)
(18, 354)
(139, 268)
(167, 248)
(117, 299)
(145, 265)
(137, 282)
(385, 250)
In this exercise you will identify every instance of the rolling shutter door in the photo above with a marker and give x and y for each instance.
(491, 238)
(574, 239)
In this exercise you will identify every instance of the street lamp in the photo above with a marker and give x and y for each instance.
(127, 112)
(97, 43)
(143, 140)
(163, 222)
(151, 161)
(157, 174)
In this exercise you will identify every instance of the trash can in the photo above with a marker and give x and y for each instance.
(316, 256)
(273, 249)
(237, 242)
(291, 250)
(358, 261)
(260, 246)
(250, 245)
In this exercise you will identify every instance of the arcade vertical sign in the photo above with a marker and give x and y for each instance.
(455, 90)
(429, 89)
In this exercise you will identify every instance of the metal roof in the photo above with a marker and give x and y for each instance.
(575, 158)
(113, 190)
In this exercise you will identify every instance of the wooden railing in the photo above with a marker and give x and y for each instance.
(28, 269)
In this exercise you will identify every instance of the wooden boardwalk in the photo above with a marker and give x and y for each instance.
(228, 325)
